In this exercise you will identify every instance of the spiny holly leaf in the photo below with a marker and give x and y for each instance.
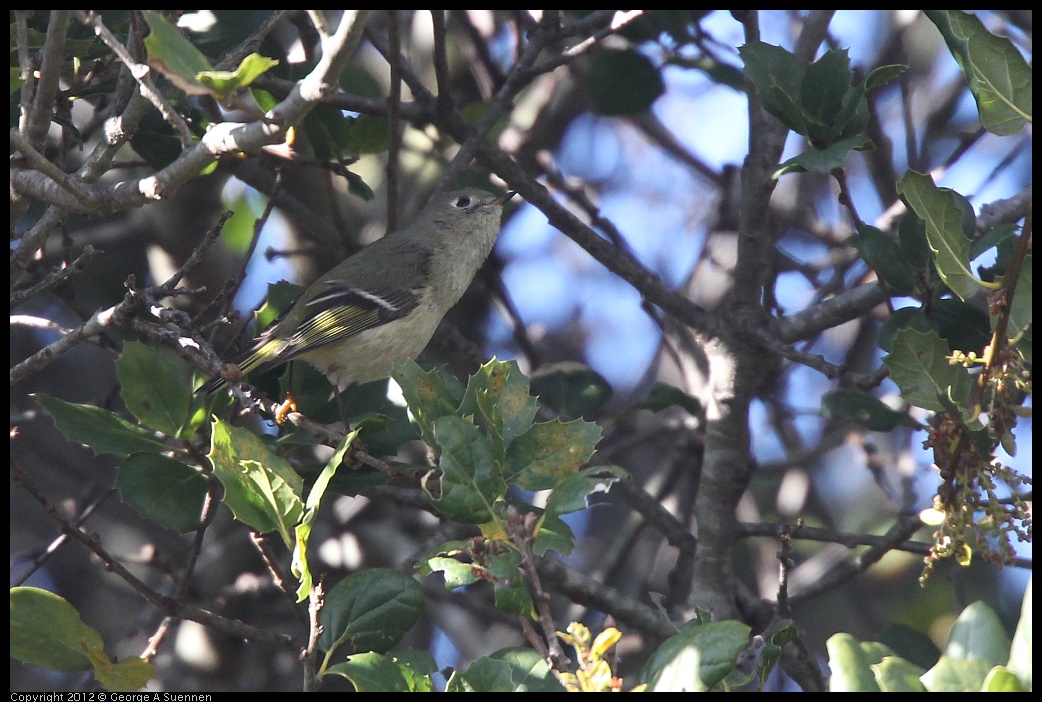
(498, 397)
(945, 212)
(997, 74)
(778, 77)
(470, 480)
(918, 364)
(548, 453)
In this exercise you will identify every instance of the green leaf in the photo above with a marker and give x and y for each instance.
(498, 397)
(997, 74)
(776, 636)
(572, 495)
(1000, 679)
(850, 665)
(302, 531)
(956, 675)
(98, 429)
(884, 74)
(358, 81)
(508, 670)
(528, 669)
(384, 423)
(944, 213)
(47, 631)
(1021, 660)
(325, 129)
(864, 409)
(366, 134)
(623, 82)
(173, 55)
(170, 53)
(778, 77)
(964, 326)
(265, 100)
(470, 480)
(127, 675)
(375, 672)
(261, 488)
(1003, 235)
(696, 658)
(911, 232)
(339, 140)
(281, 296)
(418, 662)
(429, 394)
(553, 534)
(823, 93)
(372, 672)
(884, 256)
(224, 83)
(818, 101)
(976, 644)
(511, 590)
(903, 318)
(156, 386)
(162, 489)
(910, 644)
(1020, 310)
(373, 609)
(456, 573)
(895, 674)
(853, 118)
(572, 389)
(919, 366)
(978, 633)
(492, 676)
(824, 160)
(548, 453)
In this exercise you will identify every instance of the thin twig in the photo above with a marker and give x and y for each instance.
(394, 103)
(55, 278)
(520, 529)
(166, 604)
(41, 163)
(42, 109)
(142, 74)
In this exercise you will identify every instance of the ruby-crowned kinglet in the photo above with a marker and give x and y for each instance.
(381, 306)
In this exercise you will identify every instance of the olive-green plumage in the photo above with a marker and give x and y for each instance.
(381, 306)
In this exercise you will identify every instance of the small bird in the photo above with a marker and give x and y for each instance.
(382, 305)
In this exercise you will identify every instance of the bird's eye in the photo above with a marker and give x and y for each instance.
(462, 202)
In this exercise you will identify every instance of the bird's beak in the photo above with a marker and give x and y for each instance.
(503, 198)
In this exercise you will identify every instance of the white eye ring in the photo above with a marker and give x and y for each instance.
(462, 202)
